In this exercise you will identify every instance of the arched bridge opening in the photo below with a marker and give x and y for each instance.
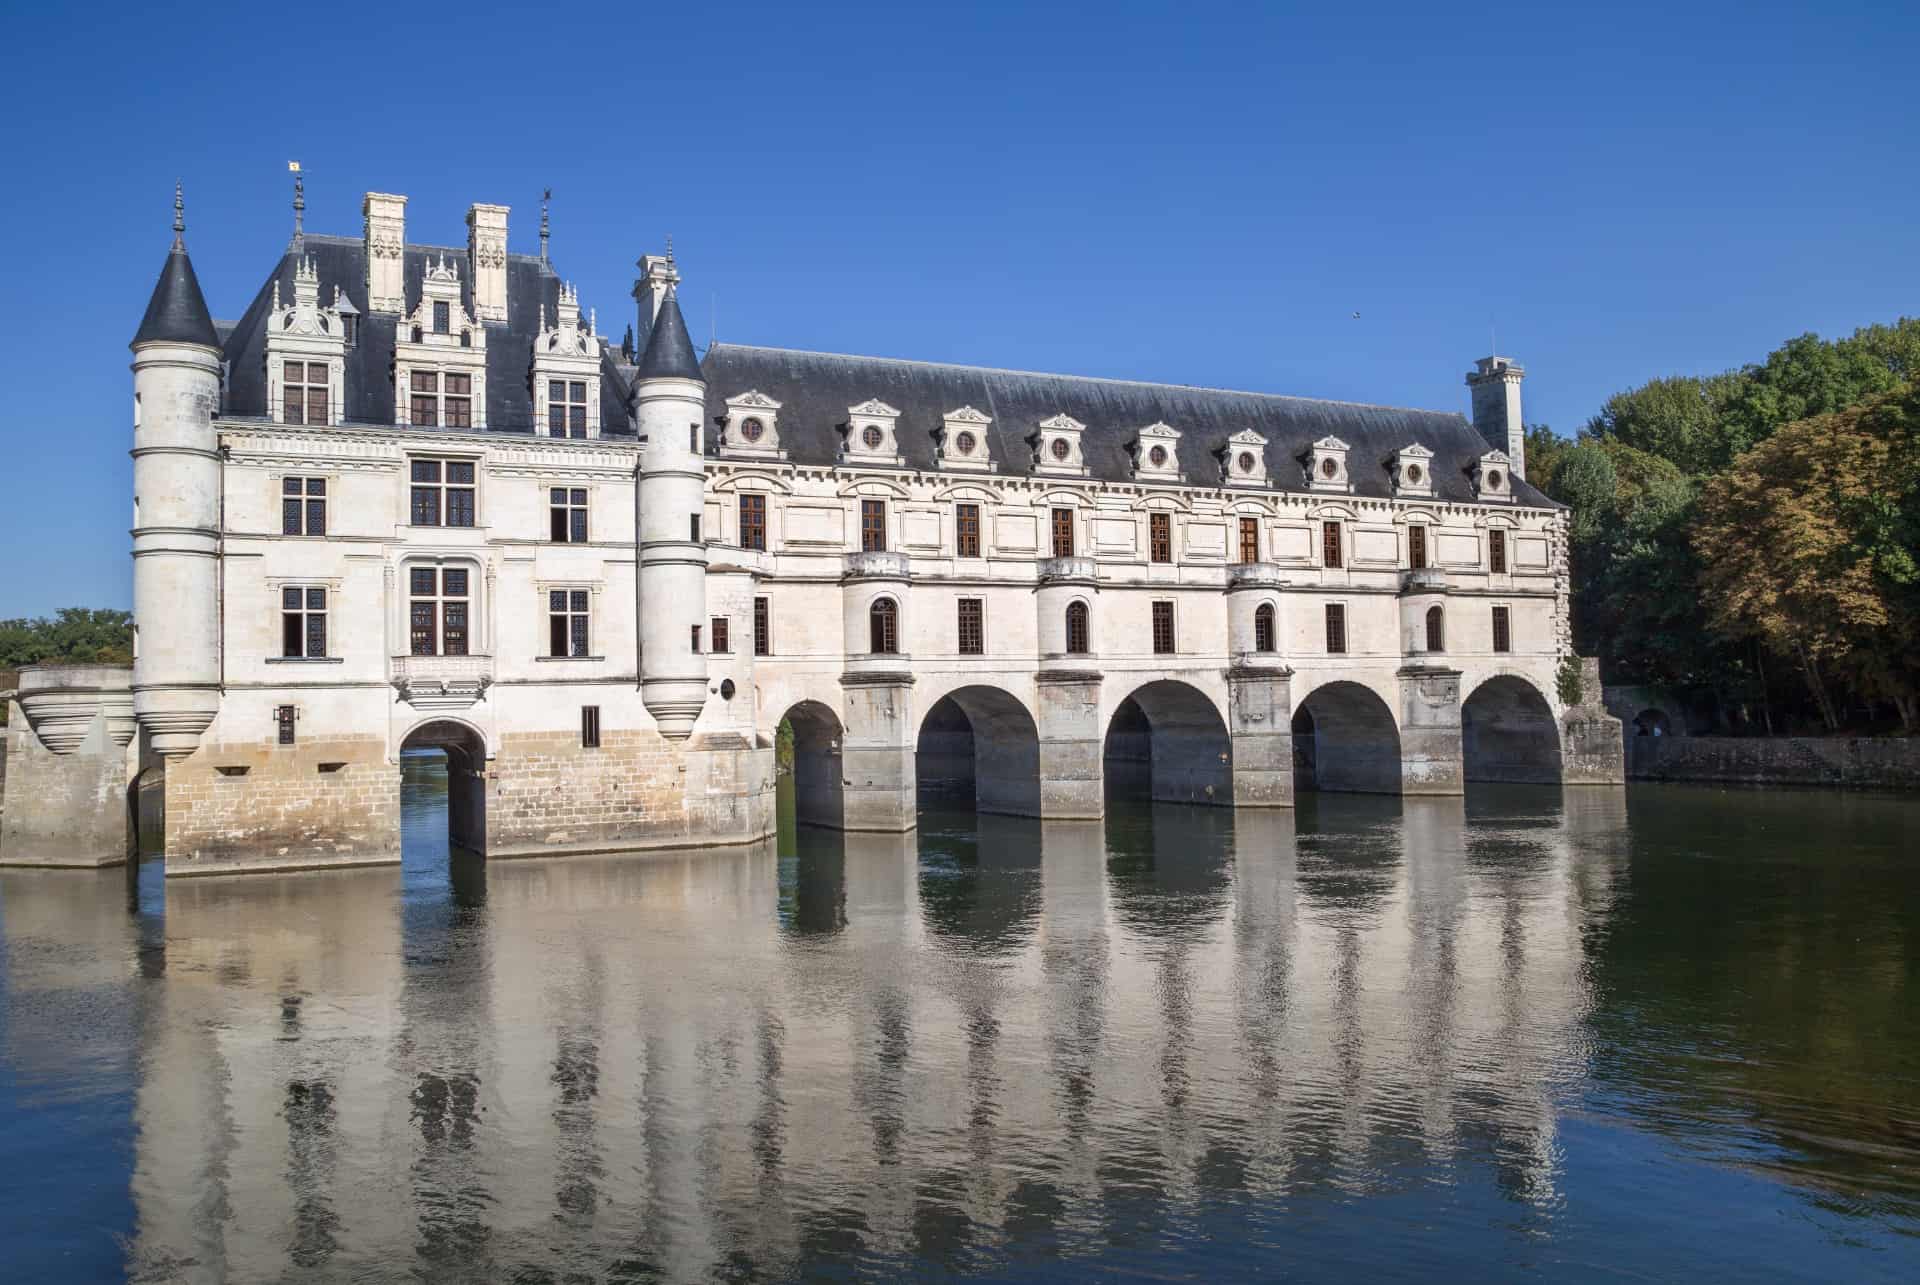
(1345, 741)
(1167, 742)
(1508, 734)
(979, 747)
(811, 733)
(445, 760)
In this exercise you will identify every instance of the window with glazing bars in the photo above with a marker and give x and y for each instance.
(1336, 628)
(589, 727)
(304, 392)
(567, 514)
(873, 526)
(1063, 533)
(1263, 631)
(1329, 544)
(973, 627)
(1160, 537)
(1497, 551)
(566, 408)
(762, 627)
(722, 635)
(425, 394)
(1249, 539)
(753, 521)
(1436, 630)
(966, 530)
(458, 403)
(442, 493)
(303, 622)
(567, 622)
(437, 611)
(303, 506)
(1417, 547)
(1163, 628)
(1079, 640)
(1503, 629)
(283, 716)
(883, 628)
(442, 318)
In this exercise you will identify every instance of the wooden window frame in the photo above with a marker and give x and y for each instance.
(966, 530)
(1160, 537)
(720, 635)
(971, 626)
(883, 627)
(589, 727)
(1249, 540)
(304, 400)
(753, 521)
(1166, 637)
(1265, 631)
(873, 526)
(1496, 551)
(1332, 553)
(442, 604)
(450, 486)
(1337, 640)
(763, 626)
(1436, 619)
(1079, 629)
(1062, 527)
(1417, 547)
(1503, 630)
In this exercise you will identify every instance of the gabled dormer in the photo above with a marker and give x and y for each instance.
(566, 372)
(440, 357)
(1326, 466)
(1243, 459)
(752, 427)
(869, 434)
(1156, 453)
(962, 444)
(305, 352)
(1411, 468)
(1493, 478)
(1056, 447)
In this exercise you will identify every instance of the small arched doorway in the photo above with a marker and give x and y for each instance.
(1652, 722)
(1345, 740)
(443, 765)
(1167, 742)
(979, 747)
(1507, 734)
(808, 741)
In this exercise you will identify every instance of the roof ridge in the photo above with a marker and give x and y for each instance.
(1091, 379)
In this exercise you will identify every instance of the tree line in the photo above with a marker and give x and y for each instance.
(76, 635)
(1747, 540)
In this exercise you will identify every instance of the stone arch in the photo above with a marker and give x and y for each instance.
(465, 747)
(1345, 739)
(1508, 734)
(1168, 742)
(819, 796)
(979, 747)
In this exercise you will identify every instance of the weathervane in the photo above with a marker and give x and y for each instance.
(299, 206)
(179, 218)
(546, 197)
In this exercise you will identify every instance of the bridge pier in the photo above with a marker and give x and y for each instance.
(1431, 760)
(1260, 709)
(1072, 742)
(877, 752)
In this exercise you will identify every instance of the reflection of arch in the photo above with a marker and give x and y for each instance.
(980, 747)
(1507, 733)
(818, 796)
(883, 627)
(980, 886)
(1167, 741)
(1344, 738)
(466, 751)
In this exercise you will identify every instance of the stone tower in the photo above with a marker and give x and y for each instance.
(1495, 382)
(669, 406)
(176, 507)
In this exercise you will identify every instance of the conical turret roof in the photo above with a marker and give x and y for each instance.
(669, 352)
(177, 312)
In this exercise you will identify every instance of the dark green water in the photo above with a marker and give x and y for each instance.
(1655, 1034)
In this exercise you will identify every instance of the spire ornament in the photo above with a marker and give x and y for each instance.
(299, 207)
(546, 198)
(179, 218)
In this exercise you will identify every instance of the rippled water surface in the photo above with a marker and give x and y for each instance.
(1649, 1034)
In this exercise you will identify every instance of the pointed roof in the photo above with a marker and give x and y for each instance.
(669, 352)
(177, 312)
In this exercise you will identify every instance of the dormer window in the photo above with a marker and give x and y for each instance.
(751, 425)
(1493, 478)
(442, 318)
(1412, 470)
(870, 433)
(304, 390)
(1327, 465)
(1056, 446)
(965, 442)
(1061, 449)
(1243, 460)
(873, 437)
(962, 440)
(1155, 455)
(566, 408)
(350, 328)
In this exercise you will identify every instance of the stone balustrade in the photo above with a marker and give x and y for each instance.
(878, 565)
(1254, 575)
(1423, 580)
(442, 682)
(1083, 570)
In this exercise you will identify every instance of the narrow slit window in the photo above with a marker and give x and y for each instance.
(762, 627)
(1163, 639)
(1330, 544)
(1497, 551)
(1417, 548)
(1503, 629)
(1263, 631)
(283, 718)
(1249, 539)
(973, 627)
(1436, 630)
(589, 727)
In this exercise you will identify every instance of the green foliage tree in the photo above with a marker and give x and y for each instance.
(77, 634)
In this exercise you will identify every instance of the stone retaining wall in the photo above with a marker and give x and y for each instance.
(1872, 763)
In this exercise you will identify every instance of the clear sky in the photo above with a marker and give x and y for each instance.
(1183, 192)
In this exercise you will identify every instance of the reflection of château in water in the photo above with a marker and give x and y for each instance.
(946, 1044)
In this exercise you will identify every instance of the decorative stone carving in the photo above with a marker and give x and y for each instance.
(1411, 468)
(962, 441)
(1493, 478)
(301, 331)
(1326, 466)
(1243, 459)
(752, 427)
(869, 434)
(1056, 447)
(1156, 453)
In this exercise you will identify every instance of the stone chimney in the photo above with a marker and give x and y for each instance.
(386, 252)
(658, 275)
(1495, 382)
(487, 260)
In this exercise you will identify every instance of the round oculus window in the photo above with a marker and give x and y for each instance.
(1061, 448)
(752, 430)
(1246, 461)
(1413, 473)
(964, 442)
(1493, 479)
(872, 436)
(1157, 457)
(727, 689)
(1329, 467)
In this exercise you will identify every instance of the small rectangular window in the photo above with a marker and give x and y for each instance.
(1336, 629)
(443, 493)
(966, 530)
(1063, 533)
(566, 408)
(1163, 629)
(1417, 547)
(589, 727)
(973, 627)
(1330, 544)
(442, 317)
(1503, 629)
(567, 613)
(1497, 551)
(458, 403)
(873, 526)
(753, 521)
(693, 438)
(303, 392)
(437, 611)
(567, 514)
(303, 622)
(303, 506)
(283, 717)
(696, 640)
(1249, 539)
(722, 635)
(1160, 537)
(762, 627)
(693, 527)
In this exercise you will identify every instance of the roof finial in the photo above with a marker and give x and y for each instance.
(179, 218)
(545, 198)
(299, 206)
(669, 247)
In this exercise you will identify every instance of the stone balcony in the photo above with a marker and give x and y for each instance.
(1068, 570)
(1254, 575)
(1423, 580)
(65, 703)
(878, 566)
(442, 682)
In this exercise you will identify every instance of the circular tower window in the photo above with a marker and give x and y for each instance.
(1246, 461)
(1157, 457)
(964, 442)
(1413, 474)
(872, 436)
(1329, 467)
(1493, 479)
(1061, 449)
(751, 430)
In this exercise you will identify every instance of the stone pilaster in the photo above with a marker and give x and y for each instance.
(1072, 784)
(1260, 707)
(1430, 755)
(877, 752)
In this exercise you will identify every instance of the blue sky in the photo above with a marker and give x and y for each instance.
(1191, 193)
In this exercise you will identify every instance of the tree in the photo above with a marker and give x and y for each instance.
(1680, 418)
(74, 634)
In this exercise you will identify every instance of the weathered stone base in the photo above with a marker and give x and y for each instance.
(240, 807)
(64, 809)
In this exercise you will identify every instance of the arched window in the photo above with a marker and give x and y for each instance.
(883, 626)
(1436, 630)
(1263, 627)
(1078, 643)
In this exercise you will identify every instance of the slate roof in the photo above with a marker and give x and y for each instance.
(815, 390)
(669, 353)
(533, 291)
(177, 311)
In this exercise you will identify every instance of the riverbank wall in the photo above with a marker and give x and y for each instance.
(1844, 762)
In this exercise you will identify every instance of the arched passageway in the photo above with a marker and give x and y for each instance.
(1507, 734)
(812, 732)
(1167, 742)
(1344, 739)
(465, 754)
(1652, 722)
(978, 747)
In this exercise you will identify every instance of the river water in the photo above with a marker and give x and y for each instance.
(1645, 1034)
